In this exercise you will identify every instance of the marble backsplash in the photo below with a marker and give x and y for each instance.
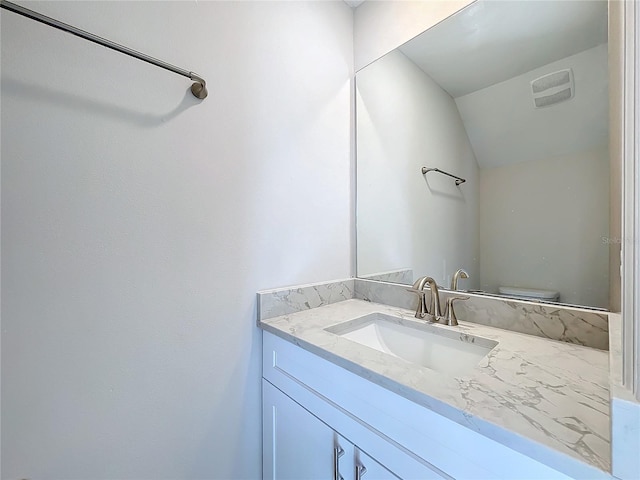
(404, 276)
(283, 301)
(567, 324)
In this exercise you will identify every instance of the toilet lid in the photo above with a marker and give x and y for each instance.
(528, 292)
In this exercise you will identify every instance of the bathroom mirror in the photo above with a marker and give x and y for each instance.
(512, 97)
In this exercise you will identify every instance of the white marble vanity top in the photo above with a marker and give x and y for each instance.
(544, 398)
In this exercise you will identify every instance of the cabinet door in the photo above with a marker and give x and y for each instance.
(366, 468)
(296, 445)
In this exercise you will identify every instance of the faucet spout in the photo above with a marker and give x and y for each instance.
(434, 305)
(460, 273)
(433, 311)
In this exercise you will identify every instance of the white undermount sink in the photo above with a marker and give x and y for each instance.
(442, 349)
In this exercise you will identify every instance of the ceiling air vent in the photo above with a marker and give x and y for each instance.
(552, 88)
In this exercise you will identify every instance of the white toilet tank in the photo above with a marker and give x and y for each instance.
(531, 294)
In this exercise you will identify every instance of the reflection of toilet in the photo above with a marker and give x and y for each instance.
(530, 294)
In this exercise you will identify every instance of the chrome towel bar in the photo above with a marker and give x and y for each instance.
(198, 89)
(458, 179)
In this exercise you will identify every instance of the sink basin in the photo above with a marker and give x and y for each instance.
(442, 349)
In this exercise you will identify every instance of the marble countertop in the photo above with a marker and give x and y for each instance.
(544, 398)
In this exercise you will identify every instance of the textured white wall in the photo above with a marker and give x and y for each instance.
(405, 219)
(138, 223)
(383, 25)
(544, 224)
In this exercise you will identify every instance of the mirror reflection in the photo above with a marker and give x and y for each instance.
(510, 96)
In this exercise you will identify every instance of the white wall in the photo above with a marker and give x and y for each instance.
(406, 121)
(138, 223)
(383, 25)
(544, 224)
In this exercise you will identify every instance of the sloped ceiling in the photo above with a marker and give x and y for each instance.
(486, 56)
(504, 127)
(492, 41)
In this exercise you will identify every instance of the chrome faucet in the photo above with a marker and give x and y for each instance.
(460, 273)
(434, 311)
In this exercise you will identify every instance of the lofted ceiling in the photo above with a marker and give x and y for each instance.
(504, 127)
(486, 56)
(492, 41)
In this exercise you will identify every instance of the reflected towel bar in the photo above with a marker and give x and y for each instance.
(458, 179)
(198, 89)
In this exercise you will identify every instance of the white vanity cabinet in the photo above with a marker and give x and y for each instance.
(297, 445)
(312, 405)
(306, 436)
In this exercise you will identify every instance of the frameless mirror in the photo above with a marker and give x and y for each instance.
(512, 98)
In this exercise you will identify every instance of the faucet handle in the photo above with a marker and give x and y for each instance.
(450, 314)
(418, 288)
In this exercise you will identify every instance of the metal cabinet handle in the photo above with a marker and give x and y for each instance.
(338, 451)
(360, 471)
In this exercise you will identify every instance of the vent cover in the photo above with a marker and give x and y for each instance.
(552, 88)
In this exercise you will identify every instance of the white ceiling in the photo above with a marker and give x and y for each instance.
(354, 3)
(492, 41)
